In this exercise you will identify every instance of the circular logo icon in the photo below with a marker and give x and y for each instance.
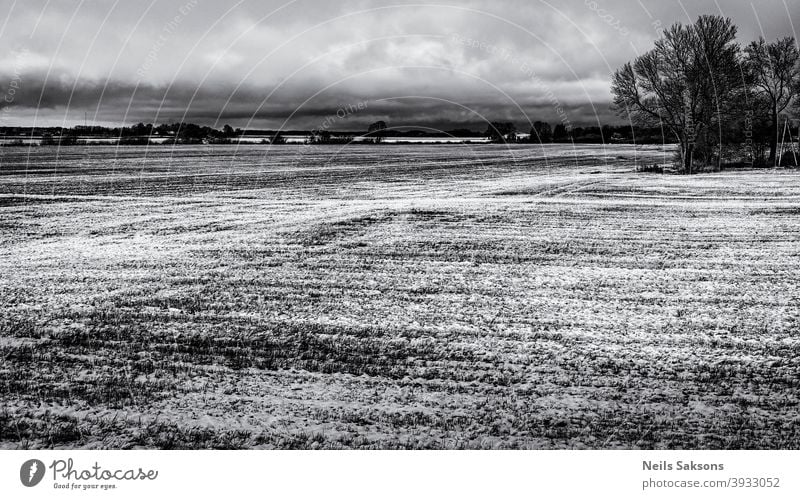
(31, 472)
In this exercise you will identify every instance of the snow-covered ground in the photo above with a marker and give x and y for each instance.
(470, 296)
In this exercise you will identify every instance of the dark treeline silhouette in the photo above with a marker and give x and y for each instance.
(182, 133)
(540, 133)
(722, 104)
(543, 133)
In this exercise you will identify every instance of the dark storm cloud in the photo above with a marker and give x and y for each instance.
(297, 63)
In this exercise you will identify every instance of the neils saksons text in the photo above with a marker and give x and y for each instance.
(681, 466)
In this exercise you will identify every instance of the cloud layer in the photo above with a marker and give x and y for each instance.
(270, 64)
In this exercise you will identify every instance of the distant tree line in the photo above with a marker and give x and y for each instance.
(543, 133)
(721, 103)
(189, 133)
(138, 134)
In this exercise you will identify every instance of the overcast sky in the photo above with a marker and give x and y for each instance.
(310, 63)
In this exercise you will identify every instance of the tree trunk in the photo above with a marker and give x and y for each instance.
(687, 158)
(773, 141)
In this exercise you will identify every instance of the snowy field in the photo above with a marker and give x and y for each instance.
(395, 297)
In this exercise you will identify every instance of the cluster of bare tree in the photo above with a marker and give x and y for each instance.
(720, 102)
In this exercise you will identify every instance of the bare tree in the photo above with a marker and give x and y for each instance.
(541, 132)
(377, 130)
(774, 69)
(683, 83)
(721, 81)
